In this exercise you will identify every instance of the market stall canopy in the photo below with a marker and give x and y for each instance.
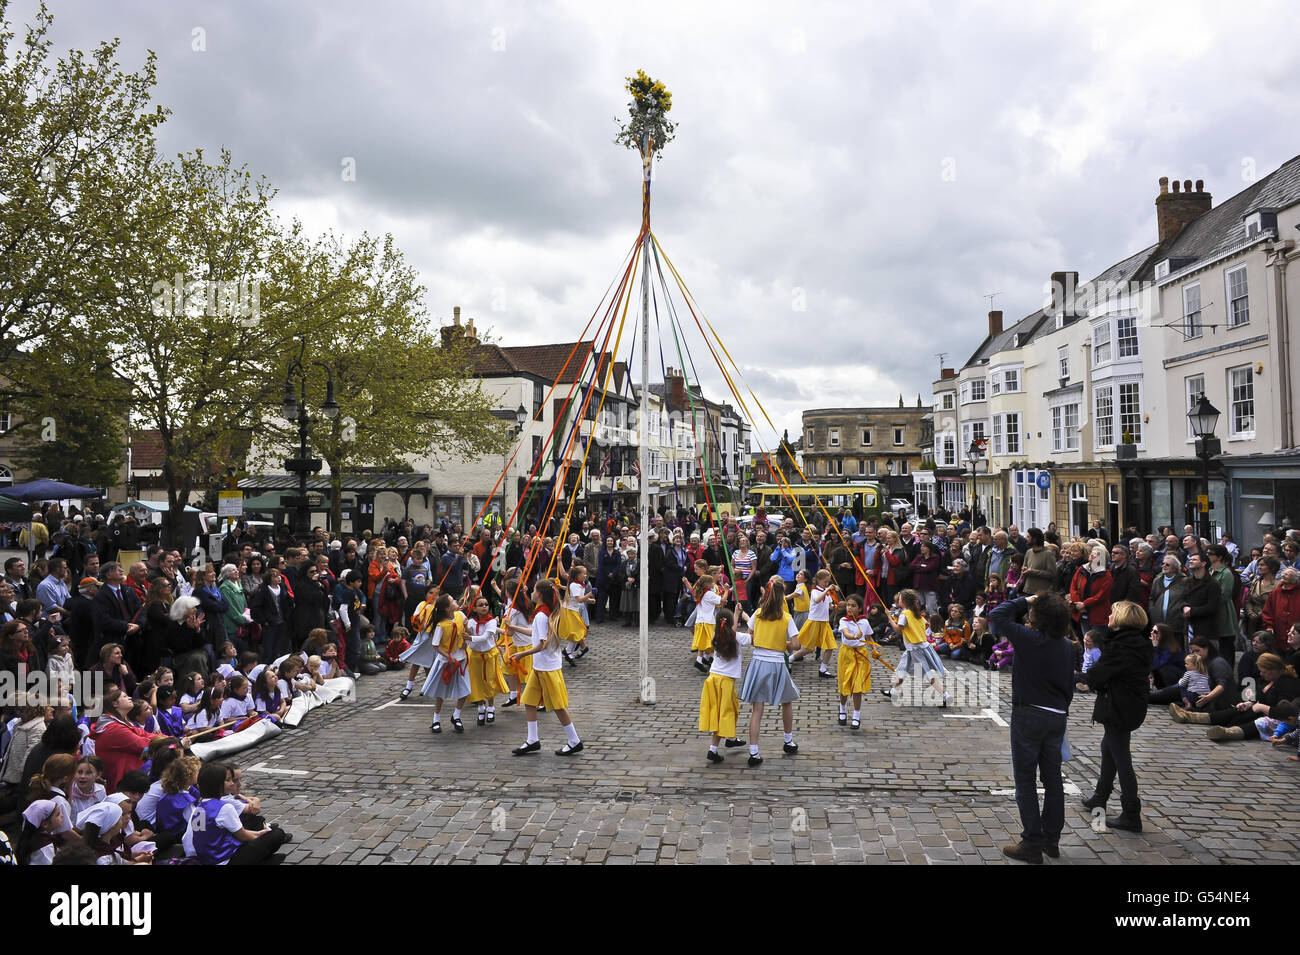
(46, 489)
(11, 510)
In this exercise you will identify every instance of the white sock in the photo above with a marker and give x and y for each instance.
(514, 695)
(492, 710)
(789, 737)
(410, 684)
(571, 731)
(753, 749)
(857, 714)
(532, 732)
(823, 668)
(713, 749)
(482, 708)
(455, 714)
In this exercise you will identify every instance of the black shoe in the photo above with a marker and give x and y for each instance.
(569, 660)
(1093, 802)
(755, 761)
(482, 718)
(569, 750)
(406, 691)
(714, 757)
(857, 724)
(826, 674)
(699, 665)
(491, 717)
(509, 702)
(459, 726)
(732, 743)
(583, 651)
(541, 709)
(844, 719)
(435, 727)
(1052, 852)
(526, 749)
(1125, 822)
(791, 748)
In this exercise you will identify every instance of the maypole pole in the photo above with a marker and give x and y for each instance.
(646, 131)
(646, 684)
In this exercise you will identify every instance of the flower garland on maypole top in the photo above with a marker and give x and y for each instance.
(648, 129)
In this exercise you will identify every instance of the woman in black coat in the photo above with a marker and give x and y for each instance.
(1120, 679)
(272, 609)
(311, 606)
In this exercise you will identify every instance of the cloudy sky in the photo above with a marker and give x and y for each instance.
(848, 181)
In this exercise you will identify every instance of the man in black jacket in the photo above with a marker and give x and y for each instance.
(82, 623)
(1042, 686)
(1201, 600)
(1125, 584)
(115, 606)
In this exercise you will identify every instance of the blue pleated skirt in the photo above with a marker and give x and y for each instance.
(768, 681)
(457, 687)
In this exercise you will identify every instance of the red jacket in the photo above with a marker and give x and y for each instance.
(1093, 591)
(1281, 610)
(120, 747)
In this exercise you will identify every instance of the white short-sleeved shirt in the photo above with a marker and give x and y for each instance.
(202, 719)
(851, 632)
(820, 609)
(706, 611)
(577, 592)
(731, 668)
(232, 707)
(189, 699)
(482, 636)
(544, 659)
(517, 619)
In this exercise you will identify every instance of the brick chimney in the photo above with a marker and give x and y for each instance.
(451, 333)
(947, 374)
(676, 388)
(1177, 208)
(995, 323)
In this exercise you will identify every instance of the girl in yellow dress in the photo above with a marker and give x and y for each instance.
(572, 628)
(514, 620)
(707, 600)
(485, 679)
(816, 635)
(546, 684)
(421, 653)
(799, 599)
(853, 669)
(919, 657)
(719, 704)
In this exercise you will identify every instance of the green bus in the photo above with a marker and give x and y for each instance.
(863, 498)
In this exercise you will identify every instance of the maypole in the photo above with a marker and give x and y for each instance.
(647, 130)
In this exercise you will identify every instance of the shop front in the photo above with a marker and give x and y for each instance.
(1264, 495)
(1165, 493)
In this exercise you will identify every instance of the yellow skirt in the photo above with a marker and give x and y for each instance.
(817, 635)
(719, 706)
(525, 664)
(853, 670)
(485, 679)
(571, 626)
(546, 687)
(703, 637)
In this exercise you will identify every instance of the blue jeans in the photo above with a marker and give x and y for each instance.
(1036, 737)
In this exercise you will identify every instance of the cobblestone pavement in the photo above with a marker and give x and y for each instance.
(367, 783)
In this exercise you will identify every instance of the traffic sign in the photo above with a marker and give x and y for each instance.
(1203, 503)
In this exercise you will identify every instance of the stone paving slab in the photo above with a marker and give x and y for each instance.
(917, 784)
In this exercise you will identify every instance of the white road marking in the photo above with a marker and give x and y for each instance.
(981, 715)
(404, 705)
(263, 768)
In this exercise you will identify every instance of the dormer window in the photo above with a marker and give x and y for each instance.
(1260, 221)
(1162, 269)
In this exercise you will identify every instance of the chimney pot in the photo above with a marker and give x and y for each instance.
(1177, 186)
(1187, 185)
(455, 314)
(1200, 185)
(995, 322)
(1164, 184)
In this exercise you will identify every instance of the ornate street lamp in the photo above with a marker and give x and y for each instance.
(1204, 417)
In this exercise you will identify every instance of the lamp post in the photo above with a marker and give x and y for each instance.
(521, 419)
(890, 467)
(302, 465)
(1204, 417)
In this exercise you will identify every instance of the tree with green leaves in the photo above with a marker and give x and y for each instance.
(78, 151)
(401, 391)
